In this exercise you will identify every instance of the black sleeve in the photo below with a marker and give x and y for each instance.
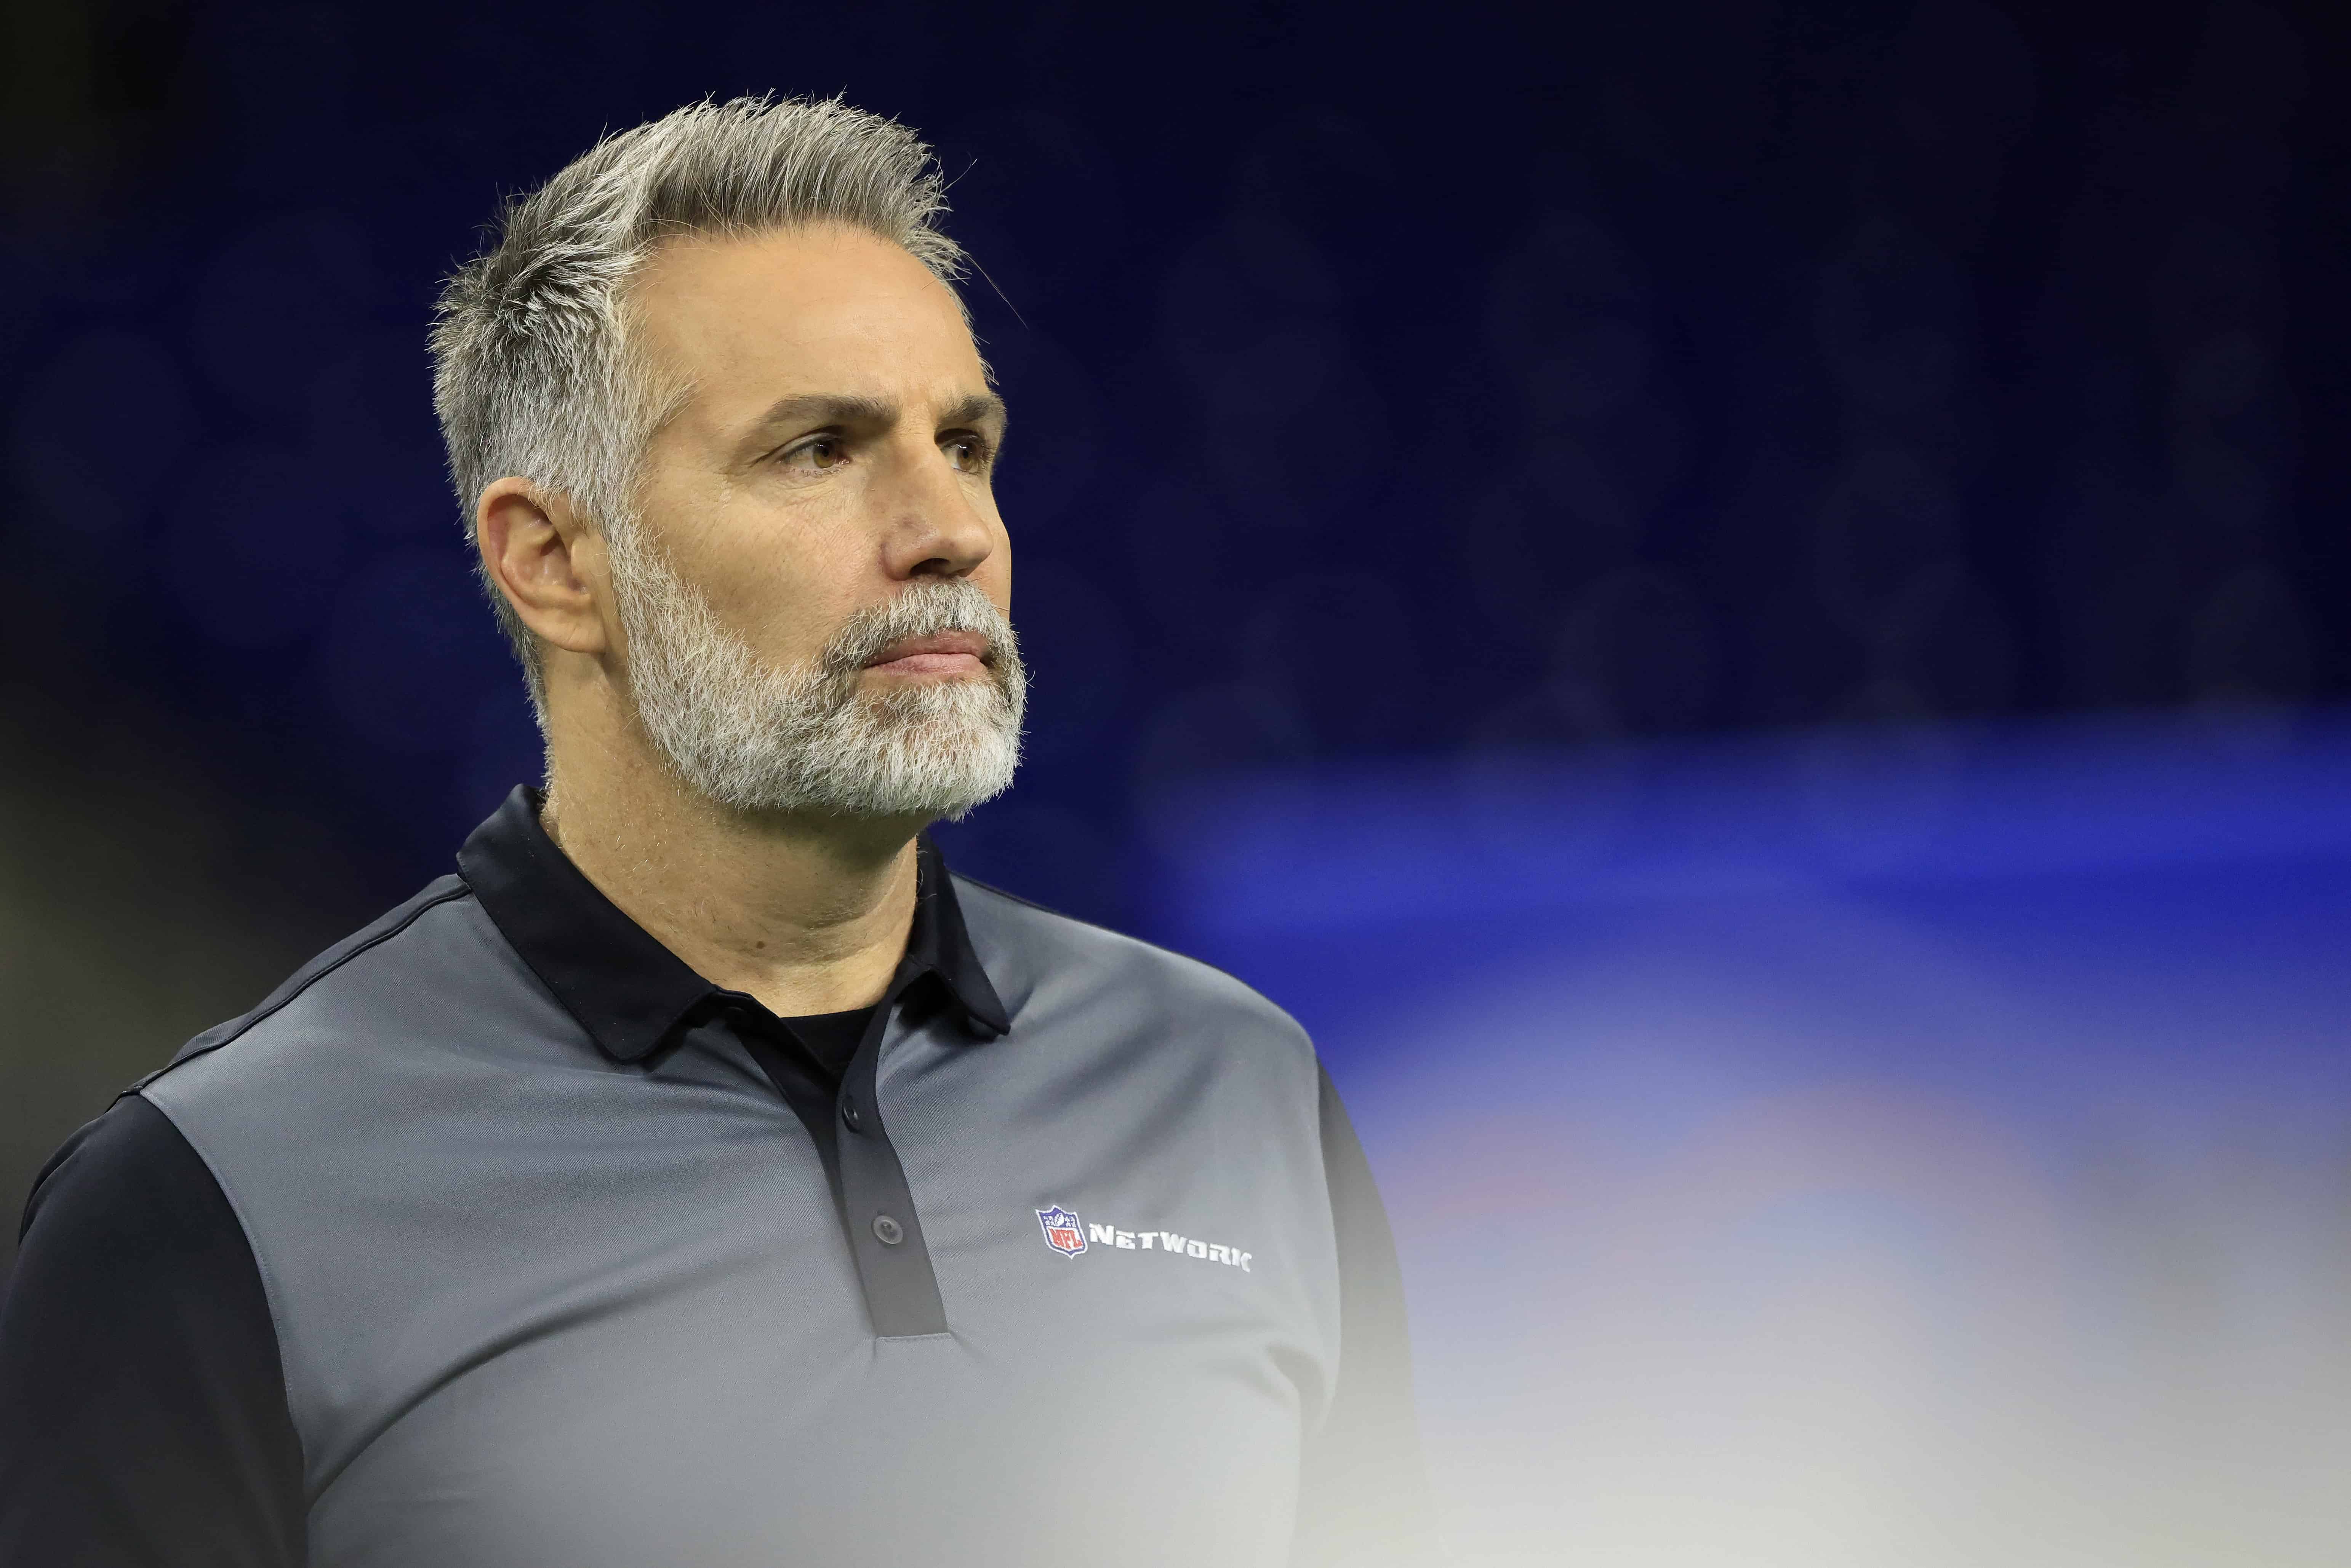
(1364, 1492)
(143, 1408)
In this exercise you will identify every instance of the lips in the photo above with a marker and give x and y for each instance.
(935, 654)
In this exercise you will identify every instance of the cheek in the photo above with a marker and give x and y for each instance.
(780, 584)
(786, 604)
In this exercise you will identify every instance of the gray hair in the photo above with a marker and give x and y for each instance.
(534, 371)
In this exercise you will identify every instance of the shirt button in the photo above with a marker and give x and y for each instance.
(848, 1113)
(888, 1230)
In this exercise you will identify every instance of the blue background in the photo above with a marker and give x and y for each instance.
(1919, 1147)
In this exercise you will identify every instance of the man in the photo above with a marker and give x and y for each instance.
(704, 1174)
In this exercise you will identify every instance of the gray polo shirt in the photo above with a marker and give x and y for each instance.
(498, 1237)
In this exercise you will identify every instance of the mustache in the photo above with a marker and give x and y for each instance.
(920, 610)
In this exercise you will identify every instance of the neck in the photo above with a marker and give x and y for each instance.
(809, 913)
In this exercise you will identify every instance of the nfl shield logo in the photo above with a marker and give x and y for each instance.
(1064, 1234)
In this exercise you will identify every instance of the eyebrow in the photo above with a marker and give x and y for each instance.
(845, 408)
(977, 409)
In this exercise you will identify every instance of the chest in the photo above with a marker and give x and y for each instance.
(1134, 1267)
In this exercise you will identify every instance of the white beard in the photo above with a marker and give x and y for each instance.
(756, 738)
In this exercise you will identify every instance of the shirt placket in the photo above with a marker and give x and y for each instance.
(876, 1207)
(886, 1230)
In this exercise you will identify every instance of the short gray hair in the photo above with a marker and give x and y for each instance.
(534, 373)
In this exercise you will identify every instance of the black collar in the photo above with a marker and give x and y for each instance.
(632, 995)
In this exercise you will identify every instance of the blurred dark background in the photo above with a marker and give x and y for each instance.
(1386, 381)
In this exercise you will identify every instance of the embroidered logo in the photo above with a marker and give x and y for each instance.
(1063, 1232)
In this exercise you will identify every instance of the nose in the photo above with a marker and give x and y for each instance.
(934, 527)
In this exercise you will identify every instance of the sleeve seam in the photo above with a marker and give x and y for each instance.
(260, 1268)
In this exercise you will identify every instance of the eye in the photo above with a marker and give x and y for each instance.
(966, 454)
(816, 452)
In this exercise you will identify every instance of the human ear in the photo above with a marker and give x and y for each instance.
(548, 563)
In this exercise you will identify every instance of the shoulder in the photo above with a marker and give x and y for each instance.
(433, 968)
(1039, 957)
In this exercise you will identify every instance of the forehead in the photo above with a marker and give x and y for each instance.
(821, 309)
